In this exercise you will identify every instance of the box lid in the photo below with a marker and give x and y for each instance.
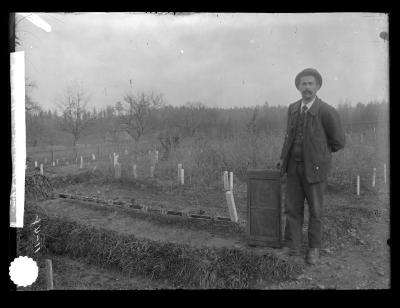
(266, 174)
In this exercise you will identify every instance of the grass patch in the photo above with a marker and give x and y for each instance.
(37, 186)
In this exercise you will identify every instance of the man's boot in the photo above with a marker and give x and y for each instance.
(312, 256)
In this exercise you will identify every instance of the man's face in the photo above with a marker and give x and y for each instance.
(308, 87)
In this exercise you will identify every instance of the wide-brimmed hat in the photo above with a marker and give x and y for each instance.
(308, 72)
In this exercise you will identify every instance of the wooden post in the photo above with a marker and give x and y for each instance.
(93, 157)
(81, 166)
(231, 181)
(54, 163)
(134, 171)
(49, 275)
(384, 173)
(358, 185)
(156, 158)
(35, 163)
(182, 176)
(283, 206)
(231, 206)
(226, 180)
(41, 169)
(373, 177)
(151, 171)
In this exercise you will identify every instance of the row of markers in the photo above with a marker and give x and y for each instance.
(227, 177)
(373, 179)
(117, 165)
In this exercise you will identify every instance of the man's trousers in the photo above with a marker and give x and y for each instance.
(297, 191)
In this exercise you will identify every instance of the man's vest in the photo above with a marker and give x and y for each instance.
(297, 147)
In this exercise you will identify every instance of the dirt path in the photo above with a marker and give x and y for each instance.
(117, 220)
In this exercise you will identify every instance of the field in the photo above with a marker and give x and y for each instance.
(167, 251)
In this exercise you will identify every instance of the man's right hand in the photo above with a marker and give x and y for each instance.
(279, 164)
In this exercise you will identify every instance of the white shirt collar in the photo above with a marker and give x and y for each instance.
(308, 105)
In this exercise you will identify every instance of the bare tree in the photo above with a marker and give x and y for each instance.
(136, 111)
(75, 118)
(191, 117)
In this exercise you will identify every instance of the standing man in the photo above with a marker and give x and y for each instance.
(314, 131)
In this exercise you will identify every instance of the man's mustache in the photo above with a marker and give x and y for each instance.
(307, 92)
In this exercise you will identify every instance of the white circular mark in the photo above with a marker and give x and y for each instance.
(23, 271)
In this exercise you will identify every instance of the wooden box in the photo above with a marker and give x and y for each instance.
(264, 208)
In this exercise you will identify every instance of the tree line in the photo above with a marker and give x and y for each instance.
(141, 114)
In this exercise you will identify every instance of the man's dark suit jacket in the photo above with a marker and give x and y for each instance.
(323, 134)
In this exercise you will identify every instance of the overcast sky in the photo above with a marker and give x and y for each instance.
(223, 60)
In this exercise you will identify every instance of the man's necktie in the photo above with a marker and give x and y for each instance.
(302, 115)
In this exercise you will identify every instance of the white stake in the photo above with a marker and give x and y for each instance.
(384, 173)
(179, 172)
(156, 156)
(49, 275)
(134, 171)
(41, 169)
(373, 177)
(231, 181)
(231, 206)
(93, 157)
(35, 163)
(182, 176)
(117, 168)
(226, 180)
(358, 185)
(151, 171)
(81, 166)
(152, 158)
(54, 164)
